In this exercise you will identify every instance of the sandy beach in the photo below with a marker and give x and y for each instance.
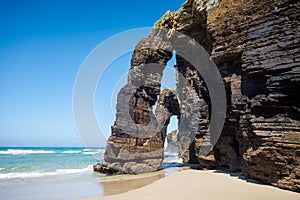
(214, 185)
(169, 183)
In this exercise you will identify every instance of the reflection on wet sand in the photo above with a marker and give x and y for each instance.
(129, 182)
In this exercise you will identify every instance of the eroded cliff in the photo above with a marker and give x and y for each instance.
(256, 47)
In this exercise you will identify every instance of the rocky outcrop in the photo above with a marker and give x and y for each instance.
(256, 46)
(172, 142)
(138, 147)
(257, 49)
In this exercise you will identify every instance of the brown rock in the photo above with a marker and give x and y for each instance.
(256, 46)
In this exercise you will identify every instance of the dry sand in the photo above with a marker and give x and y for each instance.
(196, 184)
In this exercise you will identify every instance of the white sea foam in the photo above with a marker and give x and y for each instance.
(43, 174)
(71, 152)
(173, 160)
(75, 171)
(172, 157)
(87, 149)
(178, 160)
(171, 154)
(24, 152)
(93, 151)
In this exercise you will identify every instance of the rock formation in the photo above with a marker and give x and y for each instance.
(172, 142)
(256, 46)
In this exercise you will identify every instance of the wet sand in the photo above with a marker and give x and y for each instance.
(126, 183)
(63, 188)
(180, 183)
(192, 184)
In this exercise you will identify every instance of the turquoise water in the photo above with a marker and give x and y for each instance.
(28, 162)
(22, 163)
(55, 173)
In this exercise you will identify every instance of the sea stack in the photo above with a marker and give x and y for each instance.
(256, 47)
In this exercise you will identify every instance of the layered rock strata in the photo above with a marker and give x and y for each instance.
(256, 46)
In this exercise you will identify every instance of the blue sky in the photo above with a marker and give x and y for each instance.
(42, 46)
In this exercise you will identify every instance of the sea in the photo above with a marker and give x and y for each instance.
(24, 170)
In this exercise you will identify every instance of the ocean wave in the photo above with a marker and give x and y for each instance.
(71, 152)
(93, 151)
(75, 171)
(171, 157)
(24, 152)
(174, 160)
(170, 154)
(16, 175)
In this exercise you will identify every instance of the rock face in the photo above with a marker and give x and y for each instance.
(138, 147)
(256, 46)
(257, 49)
(172, 142)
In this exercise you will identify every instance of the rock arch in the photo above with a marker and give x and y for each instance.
(136, 144)
(255, 45)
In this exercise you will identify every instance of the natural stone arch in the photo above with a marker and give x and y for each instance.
(262, 122)
(167, 106)
(138, 135)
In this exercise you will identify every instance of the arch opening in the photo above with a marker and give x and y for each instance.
(169, 102)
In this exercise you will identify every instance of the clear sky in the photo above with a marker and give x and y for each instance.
(42, 46)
